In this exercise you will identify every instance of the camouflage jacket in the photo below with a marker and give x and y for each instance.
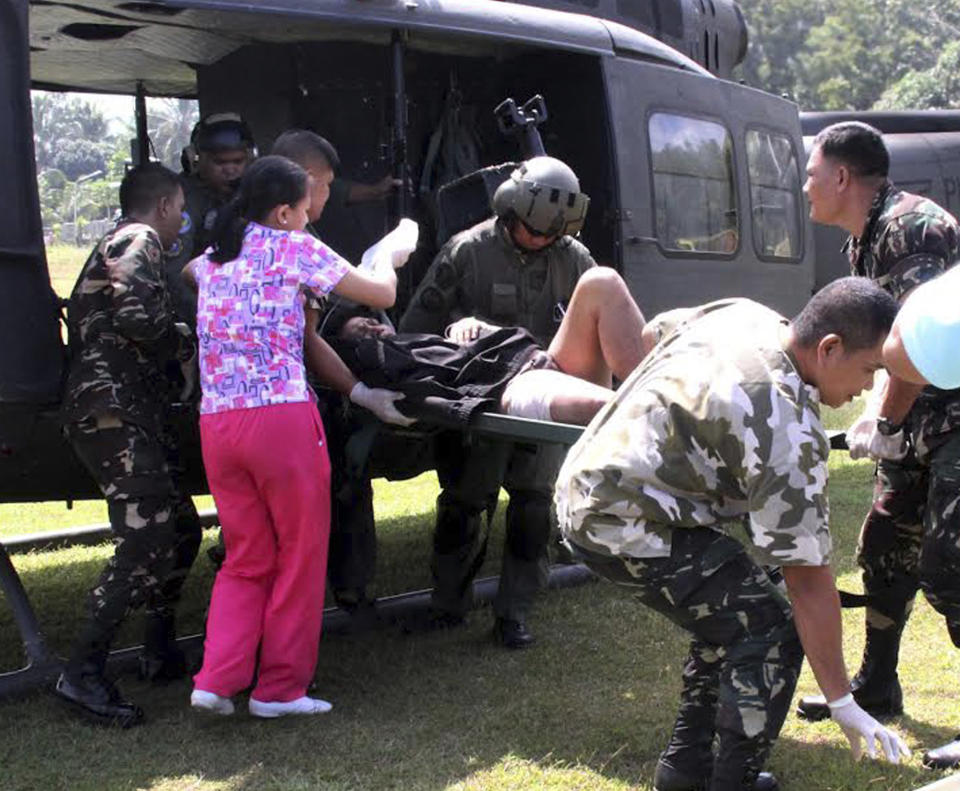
(714, 429)
(909, 239)
(480, 272)
(122, 331)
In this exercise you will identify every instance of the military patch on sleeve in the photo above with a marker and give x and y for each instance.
(432, 299)
(446, 275)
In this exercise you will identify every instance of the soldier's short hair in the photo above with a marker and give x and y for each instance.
(302, 145)
(855, 308)
(857, 145)
(143, 186)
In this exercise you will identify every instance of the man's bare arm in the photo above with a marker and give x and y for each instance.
(897, 397)
(816, 613)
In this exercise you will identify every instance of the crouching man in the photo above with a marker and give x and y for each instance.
(717, 436)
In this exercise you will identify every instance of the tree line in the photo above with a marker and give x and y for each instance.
(855, 54)
(81, 156)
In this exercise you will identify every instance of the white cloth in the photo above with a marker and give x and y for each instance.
(529, 395)
(394, 249)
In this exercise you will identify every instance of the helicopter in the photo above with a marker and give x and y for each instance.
(695, 180)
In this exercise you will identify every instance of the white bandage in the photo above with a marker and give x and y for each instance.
(528, 395)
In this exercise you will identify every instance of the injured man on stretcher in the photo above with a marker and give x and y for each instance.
(602, 337)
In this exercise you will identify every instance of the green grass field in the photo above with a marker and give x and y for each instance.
(63, 263)
(589, 707)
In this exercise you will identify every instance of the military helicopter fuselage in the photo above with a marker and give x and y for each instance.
(694, 180)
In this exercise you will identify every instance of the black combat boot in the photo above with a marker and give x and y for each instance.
(85, 689)
(667, 778)
(161, 659)
(876, 687)
(945, 757)
(512, 634)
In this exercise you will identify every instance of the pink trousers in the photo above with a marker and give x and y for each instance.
(270, 478)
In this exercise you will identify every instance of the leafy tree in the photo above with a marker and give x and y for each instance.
(76, 157)
(170, 122)
(847, 54)
(778, 31)
(935, 88)
(60, 121)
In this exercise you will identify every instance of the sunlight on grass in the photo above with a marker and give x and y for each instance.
(590, 707)
(64, 262)
(513, 772)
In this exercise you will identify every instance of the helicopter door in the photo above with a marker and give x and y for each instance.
(30, 353)
(710, 189)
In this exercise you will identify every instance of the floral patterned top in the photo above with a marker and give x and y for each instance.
(250, 317)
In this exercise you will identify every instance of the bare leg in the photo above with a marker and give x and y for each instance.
(602, 330)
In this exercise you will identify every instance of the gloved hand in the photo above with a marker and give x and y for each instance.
(381, 403)
(864, 439)
(467, 329)
(393, 250)
(856, 724)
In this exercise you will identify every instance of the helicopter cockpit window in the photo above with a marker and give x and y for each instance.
(774, 195)
(693, 185)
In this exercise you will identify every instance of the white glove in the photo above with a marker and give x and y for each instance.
(467, 329)
(393, 250)
(856, 724)
(864, 439)
(380, 402)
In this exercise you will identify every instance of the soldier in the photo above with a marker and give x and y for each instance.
(516, 269)
(122, 333)
(911, 535)
(221, 147)
(717, 434)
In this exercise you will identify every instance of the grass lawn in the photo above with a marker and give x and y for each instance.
(588, 708)
(64, 262)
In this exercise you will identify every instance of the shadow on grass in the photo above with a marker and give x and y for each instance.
(57, 582)
(810, 763)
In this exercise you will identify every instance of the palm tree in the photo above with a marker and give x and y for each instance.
(170, 122)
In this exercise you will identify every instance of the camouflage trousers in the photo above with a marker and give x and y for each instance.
(471, 472)
(156, 529)
(744, 658)
(911, 539)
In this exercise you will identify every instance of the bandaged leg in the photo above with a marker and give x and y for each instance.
(543, 394)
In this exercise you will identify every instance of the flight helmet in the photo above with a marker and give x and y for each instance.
(221, 132)
(544, 194)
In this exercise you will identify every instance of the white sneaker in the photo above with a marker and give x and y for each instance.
(304, 705)
(210, 702)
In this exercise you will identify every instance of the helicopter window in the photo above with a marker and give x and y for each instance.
(774, 195)
(693, 185)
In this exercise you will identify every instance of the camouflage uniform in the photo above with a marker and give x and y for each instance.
(911, 537)
(116, 416)
(714, 437)
(480, 272)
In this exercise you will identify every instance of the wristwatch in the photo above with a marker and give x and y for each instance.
(887, 427)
